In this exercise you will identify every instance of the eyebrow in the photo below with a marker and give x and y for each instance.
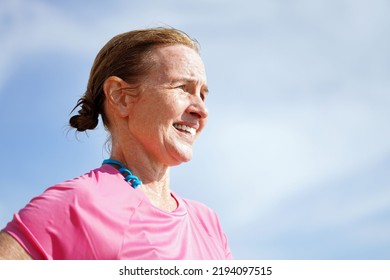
(205, 88)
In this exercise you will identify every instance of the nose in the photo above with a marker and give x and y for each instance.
(198, 108)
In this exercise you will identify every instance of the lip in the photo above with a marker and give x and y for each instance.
(194, 126)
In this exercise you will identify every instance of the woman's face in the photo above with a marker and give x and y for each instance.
(170, 112)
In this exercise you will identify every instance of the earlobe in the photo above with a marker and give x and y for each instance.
(116, 96)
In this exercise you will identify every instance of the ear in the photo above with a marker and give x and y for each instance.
(116, 95)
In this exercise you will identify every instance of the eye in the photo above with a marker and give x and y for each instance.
(182, 87)
(203, 94)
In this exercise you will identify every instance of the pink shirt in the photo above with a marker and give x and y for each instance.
(100, 216)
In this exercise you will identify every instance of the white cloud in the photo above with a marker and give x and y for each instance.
(30, 27)
(279, 155)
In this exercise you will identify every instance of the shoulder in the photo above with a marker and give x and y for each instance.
(96, 179)
(98, 185)
(100, 192)
(71, 220)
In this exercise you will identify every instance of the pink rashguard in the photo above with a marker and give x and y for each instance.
(100, 216)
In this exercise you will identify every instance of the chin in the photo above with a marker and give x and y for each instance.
(181, 160)
(180, 157)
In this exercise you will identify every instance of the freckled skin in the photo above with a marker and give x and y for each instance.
(173, 92)
(10, 249)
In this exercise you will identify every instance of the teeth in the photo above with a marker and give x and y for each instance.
(191, 130)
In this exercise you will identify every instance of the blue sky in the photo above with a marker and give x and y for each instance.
(296, 155)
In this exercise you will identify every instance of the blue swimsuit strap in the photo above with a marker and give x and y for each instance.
(130, 178)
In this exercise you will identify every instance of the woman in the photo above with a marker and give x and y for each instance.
(149, 87)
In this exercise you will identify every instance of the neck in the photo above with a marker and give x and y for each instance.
(154, 176)
(149, 172)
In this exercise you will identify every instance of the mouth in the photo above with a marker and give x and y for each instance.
(185, 128)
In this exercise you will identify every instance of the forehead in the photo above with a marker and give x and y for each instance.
(178, 61)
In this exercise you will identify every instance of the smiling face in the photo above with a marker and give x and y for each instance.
(170, 112)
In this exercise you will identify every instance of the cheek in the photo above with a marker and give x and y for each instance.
(176, 106)
(165, 109)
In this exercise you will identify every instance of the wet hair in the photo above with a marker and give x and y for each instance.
(127, 56)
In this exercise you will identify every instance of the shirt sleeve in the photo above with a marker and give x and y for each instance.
(65, 223)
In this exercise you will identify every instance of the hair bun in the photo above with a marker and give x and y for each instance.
(86, 119)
